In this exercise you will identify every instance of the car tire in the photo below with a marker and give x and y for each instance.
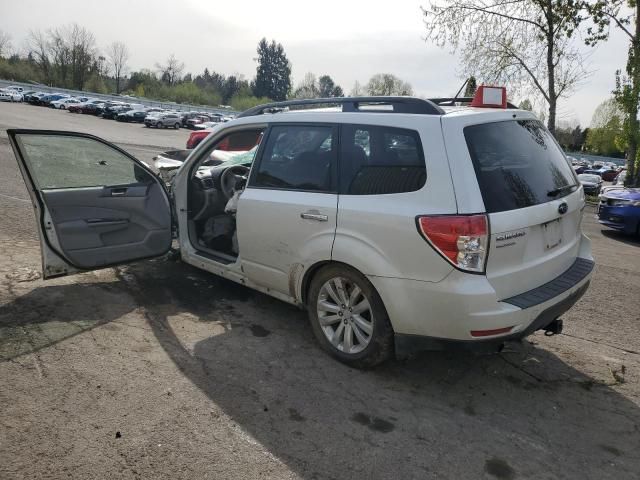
(371, 335)
(176, 126)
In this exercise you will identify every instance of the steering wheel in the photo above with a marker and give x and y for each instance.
(231, 177)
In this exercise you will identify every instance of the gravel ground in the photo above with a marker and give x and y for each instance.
(158, 370)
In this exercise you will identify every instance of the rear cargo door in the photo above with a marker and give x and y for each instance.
(512, 169)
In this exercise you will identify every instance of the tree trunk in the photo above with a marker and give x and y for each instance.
(633, 172)
(551, 70)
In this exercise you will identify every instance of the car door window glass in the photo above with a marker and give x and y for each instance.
(298, 157)
(59, 161)
(380, 160)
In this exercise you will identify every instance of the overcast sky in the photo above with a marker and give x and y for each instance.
(349, 40)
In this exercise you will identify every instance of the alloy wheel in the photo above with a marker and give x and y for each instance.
(345, 315)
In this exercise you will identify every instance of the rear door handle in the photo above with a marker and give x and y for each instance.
(314, 215)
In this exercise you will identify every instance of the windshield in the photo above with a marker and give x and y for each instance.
(518, 164)
(589, 178)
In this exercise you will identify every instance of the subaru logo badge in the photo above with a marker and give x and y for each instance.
(562, 208)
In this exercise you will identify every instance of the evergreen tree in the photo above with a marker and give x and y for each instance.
(273, 75)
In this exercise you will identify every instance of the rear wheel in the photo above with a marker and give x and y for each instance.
(176, 126)
(348, 317)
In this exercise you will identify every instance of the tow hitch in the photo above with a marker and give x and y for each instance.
(554, 328)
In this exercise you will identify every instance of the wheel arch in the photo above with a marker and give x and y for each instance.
(308, 275)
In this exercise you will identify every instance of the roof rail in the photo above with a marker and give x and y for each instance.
(353, 104)
(451, 102)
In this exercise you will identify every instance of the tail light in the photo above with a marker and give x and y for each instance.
(460, 239)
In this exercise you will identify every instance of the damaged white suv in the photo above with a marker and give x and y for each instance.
(399, 223)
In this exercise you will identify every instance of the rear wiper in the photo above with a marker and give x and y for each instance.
(557, 191)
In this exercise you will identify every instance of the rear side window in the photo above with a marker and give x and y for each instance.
(380, 160)
(298, 157)
(518, 164)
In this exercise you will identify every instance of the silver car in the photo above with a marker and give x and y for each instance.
(398, 223)
(163, 120)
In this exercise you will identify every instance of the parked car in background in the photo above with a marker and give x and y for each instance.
(620, 209)
(34, 99)
(592, 172)
(205, 125)
(63, 103)
(619, 180)
(80, 107)
(27, 94)
(111, 111)
(163, 120)
(10, 96)
(137, 116)
(47, 99)
(592, 184)
(186, 116)
(197, 120)
(609, 174)
(196, 137)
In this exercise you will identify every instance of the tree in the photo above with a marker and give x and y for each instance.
(323, 87)
(605, 134)
(5, 44)
(118, 55)
(273, 73)
(307, 88)
(526, 105)
(522, 43)
(327, 88)
(570, 137)
(357, 90)
(171, 71)
(387, 84)
(39, 52)
(470, 87)
(627, 91)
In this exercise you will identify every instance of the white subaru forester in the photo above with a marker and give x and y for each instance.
(401, 224)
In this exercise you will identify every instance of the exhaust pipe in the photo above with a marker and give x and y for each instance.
(554, 328)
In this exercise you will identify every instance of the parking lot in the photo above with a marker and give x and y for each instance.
(160, 370)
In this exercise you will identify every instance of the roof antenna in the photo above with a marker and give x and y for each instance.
(461, 88)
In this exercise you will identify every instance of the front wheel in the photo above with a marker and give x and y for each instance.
(348, 317)
(176, 126)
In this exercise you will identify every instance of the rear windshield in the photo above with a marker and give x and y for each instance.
(518, 164)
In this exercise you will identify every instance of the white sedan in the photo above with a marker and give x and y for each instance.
(10, 96)
(63, 103)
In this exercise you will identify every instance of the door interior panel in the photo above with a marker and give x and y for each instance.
(99, 226)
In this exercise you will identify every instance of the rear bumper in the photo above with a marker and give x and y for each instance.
(408, 344)
(443, 314)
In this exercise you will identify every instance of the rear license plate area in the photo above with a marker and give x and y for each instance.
(552, 232)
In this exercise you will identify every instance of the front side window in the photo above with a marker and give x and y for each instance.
(518, 164)
(380, 160)
(61, 161)
(298, 157)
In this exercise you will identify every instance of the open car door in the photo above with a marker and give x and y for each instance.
(96, 205)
